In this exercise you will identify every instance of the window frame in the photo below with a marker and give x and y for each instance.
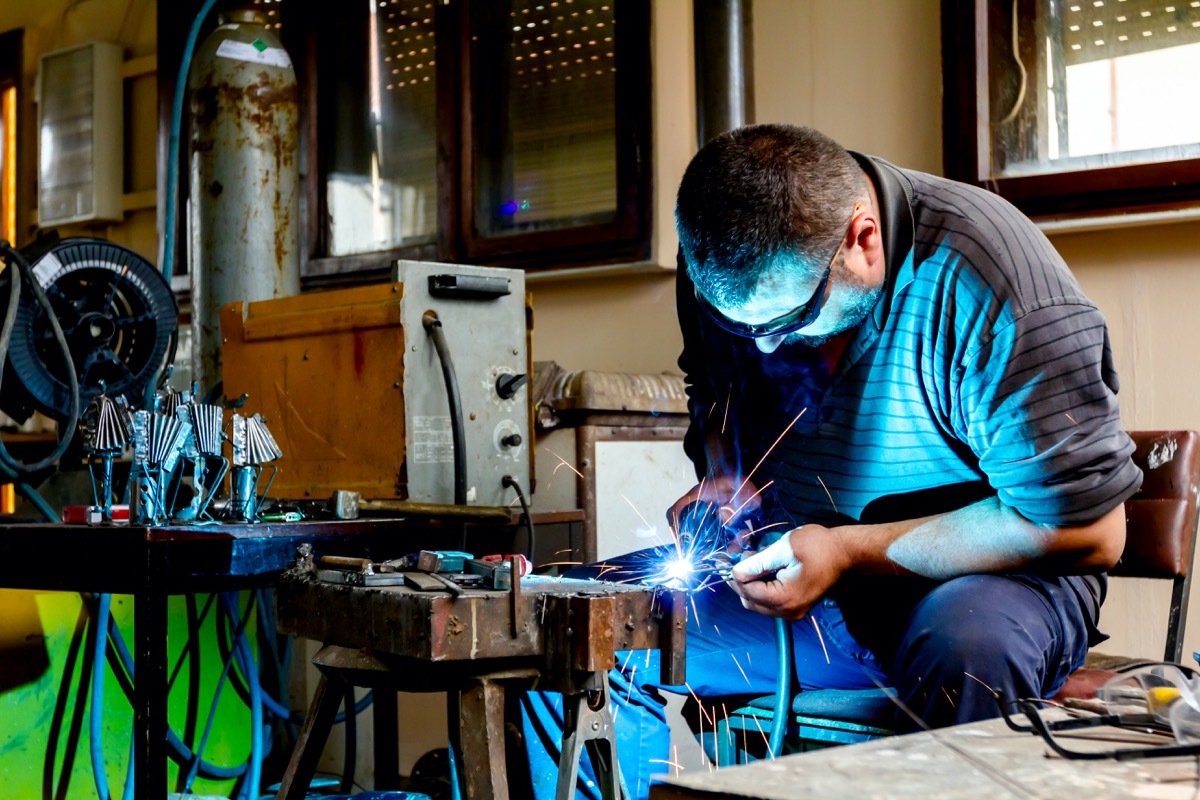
(626, 241)
(967, 28)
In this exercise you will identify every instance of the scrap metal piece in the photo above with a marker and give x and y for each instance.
(141, 437)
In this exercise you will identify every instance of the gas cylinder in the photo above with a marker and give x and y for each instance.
(244, 171)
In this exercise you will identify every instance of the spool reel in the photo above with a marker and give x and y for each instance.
(118, 315)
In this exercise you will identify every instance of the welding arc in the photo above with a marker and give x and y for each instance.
(433, 326)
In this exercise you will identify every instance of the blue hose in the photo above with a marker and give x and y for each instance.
(783, 686)
(96, 734)
(246, 661)
(168, 263)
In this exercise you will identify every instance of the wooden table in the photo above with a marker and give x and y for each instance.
(979, 760)
(152, 563)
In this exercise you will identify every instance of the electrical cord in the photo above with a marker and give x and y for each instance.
(20, 270)
(168, 259)
(510, 481)
(433, 326)
(783, 686)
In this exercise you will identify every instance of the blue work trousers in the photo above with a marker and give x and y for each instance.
(940, 645)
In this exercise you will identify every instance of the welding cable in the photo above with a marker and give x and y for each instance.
(783, 686)
(433, 326)
(245, 659)
(96, 729)
(79, 651)
(509, 480)
(193, 765)
(20, 270)
(273, 705)
(168, 258)
(178, 751)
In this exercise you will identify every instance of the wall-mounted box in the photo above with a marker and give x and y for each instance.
(81, 144)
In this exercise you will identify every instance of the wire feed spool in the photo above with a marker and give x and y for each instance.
(118, 315)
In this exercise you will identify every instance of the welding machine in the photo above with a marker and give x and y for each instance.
(414, 390)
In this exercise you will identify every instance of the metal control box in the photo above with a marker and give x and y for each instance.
(352, 388)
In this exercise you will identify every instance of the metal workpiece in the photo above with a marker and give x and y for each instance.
(244, 176)
(559, 626)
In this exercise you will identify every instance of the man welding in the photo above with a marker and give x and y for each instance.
(901, 373)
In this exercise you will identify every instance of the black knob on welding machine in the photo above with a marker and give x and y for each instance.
(508, 384)
(512, 440)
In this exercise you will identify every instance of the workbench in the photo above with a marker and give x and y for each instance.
(558, 635)
(151, 563)
(984, 760)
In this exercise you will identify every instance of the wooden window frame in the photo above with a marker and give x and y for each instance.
(626, 240)
(967, 28)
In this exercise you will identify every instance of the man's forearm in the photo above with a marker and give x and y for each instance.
(983, 537)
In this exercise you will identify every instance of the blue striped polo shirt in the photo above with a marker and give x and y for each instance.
(983, 370)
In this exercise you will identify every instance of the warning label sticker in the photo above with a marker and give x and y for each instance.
(431, 441)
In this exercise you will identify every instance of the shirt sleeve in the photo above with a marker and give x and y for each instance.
(1037, 404)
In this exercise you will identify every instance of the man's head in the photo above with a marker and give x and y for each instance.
(780, 234)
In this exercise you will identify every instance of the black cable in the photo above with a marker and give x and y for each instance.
(509, 480)
(23, 270)
(433, 326)
(192, 650)
(81, 642)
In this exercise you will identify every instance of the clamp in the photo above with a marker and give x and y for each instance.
(588, 722)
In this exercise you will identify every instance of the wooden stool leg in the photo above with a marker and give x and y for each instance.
(313, 734)
(481, 737)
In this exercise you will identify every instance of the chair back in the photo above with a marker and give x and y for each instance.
(1161, 519)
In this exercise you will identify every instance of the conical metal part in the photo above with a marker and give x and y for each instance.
(206, 427)
(168, 400)
(168, 437)
(106, 426)
(261, 445)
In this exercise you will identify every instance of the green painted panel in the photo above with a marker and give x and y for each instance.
(36, 631)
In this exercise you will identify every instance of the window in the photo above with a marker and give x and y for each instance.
(510, 132)
(1074, 107)
(494, 132)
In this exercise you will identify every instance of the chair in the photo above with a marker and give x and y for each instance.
(1161, 522)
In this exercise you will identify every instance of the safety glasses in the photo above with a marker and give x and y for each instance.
(798, 318)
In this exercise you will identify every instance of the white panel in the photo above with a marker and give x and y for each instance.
(635, 484)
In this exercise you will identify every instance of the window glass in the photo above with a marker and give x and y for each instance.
(381, 173)
(1084, 84)
(546, 110)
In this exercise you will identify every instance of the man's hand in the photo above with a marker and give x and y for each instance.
(733, 499)
(790, 577)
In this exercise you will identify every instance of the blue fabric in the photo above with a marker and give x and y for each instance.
(937, 644)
